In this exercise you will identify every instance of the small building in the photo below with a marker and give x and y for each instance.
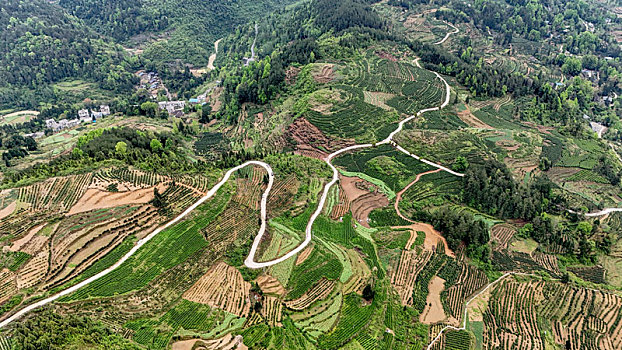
(83, 113)
(172, 106)
(96, 115)
(35, 135)
(104, 109)
(194, 101)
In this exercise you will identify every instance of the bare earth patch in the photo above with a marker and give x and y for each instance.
(324, 75)
(97, 199)
(432, 237)
(433, 311)
(17, 245)
(362, 200)
(471, 120)
(270, 285)
(222, 287)
(308, 137)
(8, 210)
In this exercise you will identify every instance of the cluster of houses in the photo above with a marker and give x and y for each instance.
(84, 116)
(174, 108)
(151, 82)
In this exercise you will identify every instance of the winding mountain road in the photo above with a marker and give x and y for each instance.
(250, 260)
(455, 31)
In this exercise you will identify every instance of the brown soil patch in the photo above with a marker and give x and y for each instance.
(471, 120)
(308, 137)
(433, 311)
(97, 199)
(8, 210)
(541, 128)
(291, 74)
(17, 245)
(304, 255)
(387, 56)
(270, 285)
(405, 273)
(325, 75)
(8, 287)
(363, 205)
(362, 200)
(432, 237)
(227, 342)
(214, 99)
(222, 287)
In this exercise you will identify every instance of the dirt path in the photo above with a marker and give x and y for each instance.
(455, 31)
(398, 197)
(212, 57)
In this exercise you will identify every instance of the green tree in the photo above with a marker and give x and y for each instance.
(121, 148)
(461, 164)
(150, 109)
(156, 145)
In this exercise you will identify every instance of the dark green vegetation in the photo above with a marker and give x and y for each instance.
(325, 75)
(37, 29)
(147, 150)
(384, 163)
(49, 330)
(189, 28)
(492, 189)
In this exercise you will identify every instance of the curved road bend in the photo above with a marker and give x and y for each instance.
(250, 260)
(143, 241)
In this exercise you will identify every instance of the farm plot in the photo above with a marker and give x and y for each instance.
(384, 163)
(272, 310)
(82, 240)
(431, 190)
(411, 263)
(167, 249)
(56, 194)
(469, 280)
(415, 88)
(222, 287)
(576, 317)
(344, 118)
(444, 146)
(320, 264)
(270, 285)
(501, 235)
(318, 292)
(97, 199)
(8, 286)
(321, 317)
(125, 179)
(226, 342)
(33, 271)
(354, 316)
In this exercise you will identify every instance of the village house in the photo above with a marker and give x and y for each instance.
(61, 124)
(172, 107)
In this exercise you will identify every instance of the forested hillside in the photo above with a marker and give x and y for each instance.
(185, 29)
(40, 44)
